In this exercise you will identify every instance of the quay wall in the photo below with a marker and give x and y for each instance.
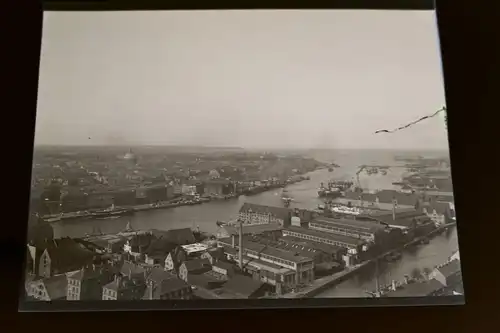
(332, 280)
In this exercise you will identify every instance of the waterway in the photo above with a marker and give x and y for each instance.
(304, 195)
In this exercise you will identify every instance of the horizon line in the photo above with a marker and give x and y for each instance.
(235, 147)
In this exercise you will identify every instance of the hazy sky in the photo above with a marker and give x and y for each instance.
(290, 79)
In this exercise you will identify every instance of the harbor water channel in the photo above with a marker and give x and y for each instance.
(304, 195)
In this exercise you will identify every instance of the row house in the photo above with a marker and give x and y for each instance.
(86, 283)
(251, 214)
(48, 289)
(124, 288)
(167, 290)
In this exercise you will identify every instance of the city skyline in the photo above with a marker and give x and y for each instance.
(114, 79)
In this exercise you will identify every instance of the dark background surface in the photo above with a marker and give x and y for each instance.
(468, 39)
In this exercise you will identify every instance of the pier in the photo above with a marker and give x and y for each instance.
(330, 281)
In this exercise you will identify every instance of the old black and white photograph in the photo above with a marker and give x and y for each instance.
(241, 154)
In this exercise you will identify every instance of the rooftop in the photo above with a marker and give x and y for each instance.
(193, 248)
(338, 238)
(417, 289)
(267, 250)
(242, 286)
(331, 249)
(254, 229)
(280, 212)
(450, 268)
(197, 265)
(352, 224)
(224, 265)
(164, 287)
(56, 286)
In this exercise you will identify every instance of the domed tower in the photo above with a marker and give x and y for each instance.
(130, 157)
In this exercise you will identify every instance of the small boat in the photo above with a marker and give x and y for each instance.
(425, 241)
(107, 217)
(393, 256)
(53, 219)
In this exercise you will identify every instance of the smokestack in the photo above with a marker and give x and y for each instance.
(240, 254)
(150, 290)
(233, 240)
(394, 204)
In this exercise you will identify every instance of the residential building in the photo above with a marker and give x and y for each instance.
(213, 255)
(365, 230)
(251, 214)
(175, 258)
(109, 243)
(173, 288)
(63, 255)
(138, 244)
(124, 288)
(224, 268)
(302, 267)
(132, 270)
(86, 284)
(196, 266)
(48, 289)
(183, 236)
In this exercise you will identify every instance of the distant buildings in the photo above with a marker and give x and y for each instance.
(218, 187)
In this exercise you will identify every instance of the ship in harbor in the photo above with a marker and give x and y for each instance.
(346, 210)
(111, 213)
(286, 198)
(334, 189)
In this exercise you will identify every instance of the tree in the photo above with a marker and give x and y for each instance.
(416, 273)
(427, 271)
